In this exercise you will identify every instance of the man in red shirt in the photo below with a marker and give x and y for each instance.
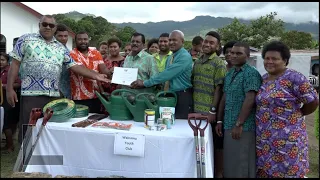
(82, 89)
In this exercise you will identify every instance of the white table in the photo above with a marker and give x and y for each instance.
(90, 151)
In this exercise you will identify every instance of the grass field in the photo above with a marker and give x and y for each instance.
(8, 160)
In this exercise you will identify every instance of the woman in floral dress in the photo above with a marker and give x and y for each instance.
(283, 100)
(114, 59)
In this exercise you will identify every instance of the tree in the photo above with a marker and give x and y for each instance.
(297, 40)
(98, 28)
(315, 44)
(265, 28)
(187, 44)
(257, 33)
(236, 31)
(124, 34)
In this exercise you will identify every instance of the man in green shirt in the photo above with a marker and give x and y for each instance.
(176, 76)
(237, 113)
(161, 57)
(208, 74)
(138, 58)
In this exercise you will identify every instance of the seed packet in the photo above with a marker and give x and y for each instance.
(167, 113)
(113, 125)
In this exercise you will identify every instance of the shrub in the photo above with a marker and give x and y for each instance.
(316, 121)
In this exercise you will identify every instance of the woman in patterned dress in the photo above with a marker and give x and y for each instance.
(114, 59)
(283, 100)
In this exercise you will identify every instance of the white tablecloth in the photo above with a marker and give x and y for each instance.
(90, 151)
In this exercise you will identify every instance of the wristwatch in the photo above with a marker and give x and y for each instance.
(212, 110)
(238, 124)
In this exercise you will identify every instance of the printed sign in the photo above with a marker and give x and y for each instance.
(129, 144)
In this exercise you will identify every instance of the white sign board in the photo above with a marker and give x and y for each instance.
(124, 76)
(129, 144)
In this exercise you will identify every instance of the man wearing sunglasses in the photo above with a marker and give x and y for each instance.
(40, 57)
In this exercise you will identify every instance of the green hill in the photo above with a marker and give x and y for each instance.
(197, 26)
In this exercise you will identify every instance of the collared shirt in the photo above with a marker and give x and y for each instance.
(207, 74)
(145, 63)
(178, 73)
(147, 67)
(237, 84)
(64, 85)
(41, 64)
(83, 88)
(161, 62)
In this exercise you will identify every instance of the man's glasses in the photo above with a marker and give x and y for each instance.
(44, 24)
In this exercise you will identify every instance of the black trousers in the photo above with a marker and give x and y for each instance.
(11, 114)
(184, 103)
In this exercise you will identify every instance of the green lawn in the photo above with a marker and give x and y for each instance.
(8, 161)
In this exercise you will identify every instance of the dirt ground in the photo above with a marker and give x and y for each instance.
(313, 141)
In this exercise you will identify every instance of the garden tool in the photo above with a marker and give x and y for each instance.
(115, 105)
(201, 169)
(34, 116)
(47, 115)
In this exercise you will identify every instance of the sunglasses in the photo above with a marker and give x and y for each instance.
(44, 24)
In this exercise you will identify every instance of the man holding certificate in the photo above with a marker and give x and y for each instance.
(140, 60)
(176, 76)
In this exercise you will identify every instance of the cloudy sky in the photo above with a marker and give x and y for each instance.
(118, 12)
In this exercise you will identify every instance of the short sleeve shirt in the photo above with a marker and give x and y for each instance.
(83, 88)
(41, 64)
(236, 85)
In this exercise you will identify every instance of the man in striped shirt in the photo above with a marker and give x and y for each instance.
(207, 77)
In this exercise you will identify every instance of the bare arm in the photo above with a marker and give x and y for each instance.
(310, 107)
(221, 108)
(13, 74)
(247, 106)
(104, 70)
(217, 96)
(83, 71)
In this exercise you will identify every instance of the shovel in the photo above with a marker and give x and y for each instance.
(47, 115)
(34, 116)
(201, 169)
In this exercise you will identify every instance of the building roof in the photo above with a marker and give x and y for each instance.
(38, 15)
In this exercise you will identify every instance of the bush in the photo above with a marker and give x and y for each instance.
(316, 121)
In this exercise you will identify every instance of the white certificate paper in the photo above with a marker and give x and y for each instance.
(124, 76)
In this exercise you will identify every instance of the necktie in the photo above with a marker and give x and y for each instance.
(167, 83)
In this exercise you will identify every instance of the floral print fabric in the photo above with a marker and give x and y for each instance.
(282, 141)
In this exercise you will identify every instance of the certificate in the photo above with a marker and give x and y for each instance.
(124, 76)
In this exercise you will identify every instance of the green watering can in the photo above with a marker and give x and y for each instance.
(161, 100)
(115, 105)
(136, 105)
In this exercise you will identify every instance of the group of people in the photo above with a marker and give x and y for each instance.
(258, 121)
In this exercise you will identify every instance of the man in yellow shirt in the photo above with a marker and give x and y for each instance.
(161, 57)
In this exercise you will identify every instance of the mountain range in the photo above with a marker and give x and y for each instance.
(200, 25)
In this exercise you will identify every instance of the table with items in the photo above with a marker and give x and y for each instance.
(139, 138)
(90, 151)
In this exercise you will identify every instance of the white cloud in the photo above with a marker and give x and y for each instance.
(118, 12)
